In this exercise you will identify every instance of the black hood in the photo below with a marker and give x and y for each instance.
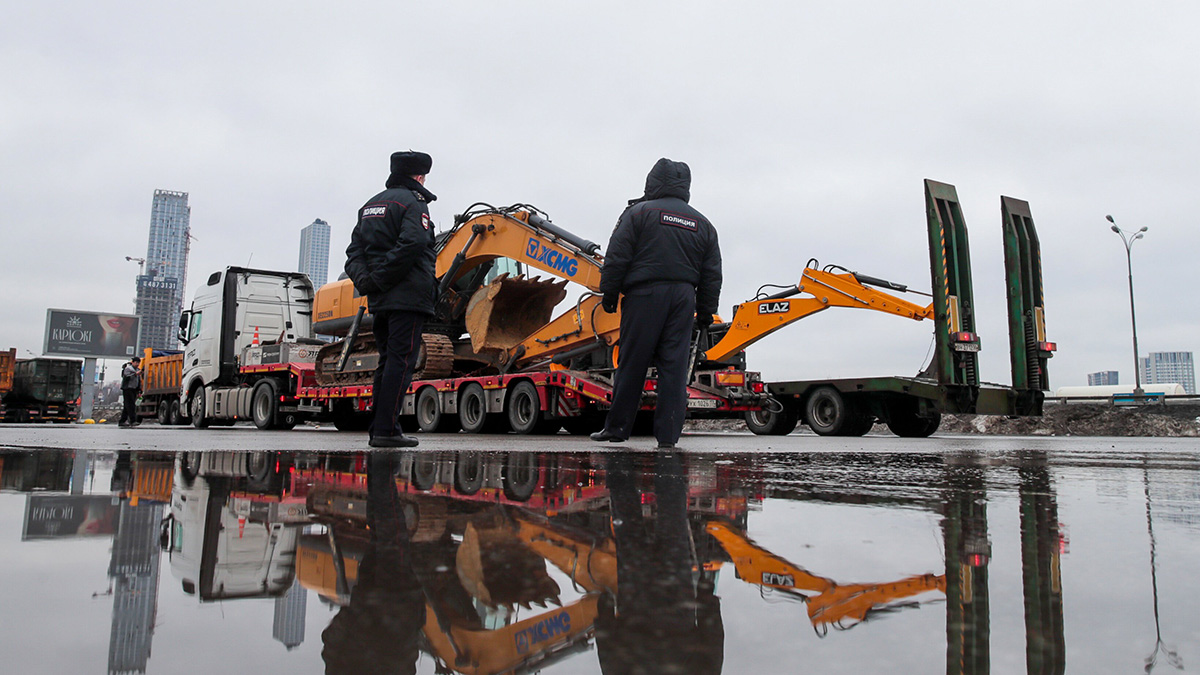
(668, 179)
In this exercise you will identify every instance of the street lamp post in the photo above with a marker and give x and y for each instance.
(1128, 238)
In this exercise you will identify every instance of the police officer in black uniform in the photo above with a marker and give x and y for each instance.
(391, 260)
(664, 258)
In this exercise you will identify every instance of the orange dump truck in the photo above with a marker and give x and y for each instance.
(161, 373)
(8, 361)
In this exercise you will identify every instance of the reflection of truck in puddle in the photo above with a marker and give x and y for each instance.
(234, 526)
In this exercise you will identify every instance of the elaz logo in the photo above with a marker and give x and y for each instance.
(777, 307)
(678, 221)
(551, 258)
(772, 579)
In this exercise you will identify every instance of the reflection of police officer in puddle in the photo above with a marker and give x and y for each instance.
(378, 631)
(659, 621)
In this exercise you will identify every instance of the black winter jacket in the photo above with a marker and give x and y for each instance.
(661, 238)
(391, 257)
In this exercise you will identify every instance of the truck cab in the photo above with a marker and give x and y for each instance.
(238, 307)
(225, 543)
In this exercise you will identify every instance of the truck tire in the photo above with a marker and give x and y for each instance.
(189, 466)
(520, 475)
(902, 420)
(524, 408)
(468, 473)
(346, 418)
(826, 412)
(196, 406)
(260, 470)
(860, 420)
(430, 416)
(767, 423)
(472, 409)
(164, 413)
(424, 470)
(265, 405)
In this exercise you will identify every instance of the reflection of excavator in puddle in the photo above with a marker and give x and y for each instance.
(829, 602)
(483, 568)
(476, 569)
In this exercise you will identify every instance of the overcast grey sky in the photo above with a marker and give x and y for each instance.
(808, 128)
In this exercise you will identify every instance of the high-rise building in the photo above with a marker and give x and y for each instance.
(1169, 367)
(1104, 377)
(314, 252)
(290, 609)
(133, 569)
(161, 285)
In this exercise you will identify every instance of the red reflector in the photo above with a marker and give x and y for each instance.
(650, 385)
(978, 560)
(757, 387)
(1048, 346)
(964, 336)
(281, 399)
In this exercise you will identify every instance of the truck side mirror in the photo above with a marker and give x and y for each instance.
(184, 319)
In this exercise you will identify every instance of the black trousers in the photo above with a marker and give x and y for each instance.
(397, 337)
(656, 330)
(129, 411)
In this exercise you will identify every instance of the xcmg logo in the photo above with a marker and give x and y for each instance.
(546, 629)
(551, 258)
(777, 307)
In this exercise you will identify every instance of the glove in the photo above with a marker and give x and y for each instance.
(704, 320)
(609, 303)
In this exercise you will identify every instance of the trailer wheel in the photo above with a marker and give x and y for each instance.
(767, 423)
(468, 473)
(430, 416)
(164, 413)
(859, 421)
(520, 475)
(524, 408)
(904, 421)
(472, 409)
(196, 404)
(424, 470)
(826, 411)
(264, 405)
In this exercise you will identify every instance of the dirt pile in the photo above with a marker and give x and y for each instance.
(1080, 419)
(1074, 419)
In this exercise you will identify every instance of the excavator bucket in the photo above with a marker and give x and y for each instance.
(506, 311)
(497, 568)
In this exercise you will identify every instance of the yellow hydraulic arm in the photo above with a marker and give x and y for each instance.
(823, 288)
(832, 603)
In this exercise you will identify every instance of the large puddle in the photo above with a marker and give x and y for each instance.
(984, 560)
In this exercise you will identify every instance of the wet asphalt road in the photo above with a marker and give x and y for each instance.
(738, 554)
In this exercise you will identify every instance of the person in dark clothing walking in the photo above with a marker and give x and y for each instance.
(391, 260)
(665, 259)
(131, 386)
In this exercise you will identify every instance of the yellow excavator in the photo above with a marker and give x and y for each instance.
(830, 603)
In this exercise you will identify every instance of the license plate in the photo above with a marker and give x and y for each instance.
(966, 346)
(702, 403)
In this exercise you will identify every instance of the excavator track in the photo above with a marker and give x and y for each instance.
(435, 359)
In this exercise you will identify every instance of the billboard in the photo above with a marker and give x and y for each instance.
(90, 334)
(67, 516)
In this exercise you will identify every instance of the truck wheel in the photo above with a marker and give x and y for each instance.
(174, 419)
(264, 405)
(430, 416)
(859, 421)
(520, 475)
(468, 473)
(903, 420)
(164, 413)
(472, 409)
(424, 470)
(826, 411)
(260, 469)
(197, 408)
(767, 423)
(524, 408)
(189, 466)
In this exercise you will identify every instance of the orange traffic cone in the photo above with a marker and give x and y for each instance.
(254, 342)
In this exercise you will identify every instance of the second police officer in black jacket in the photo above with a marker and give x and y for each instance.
(391, 259)
(664, 258)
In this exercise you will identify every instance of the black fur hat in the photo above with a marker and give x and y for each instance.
(411, 163)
